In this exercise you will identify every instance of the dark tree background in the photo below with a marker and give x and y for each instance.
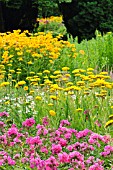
(83, 17)
(18, 14)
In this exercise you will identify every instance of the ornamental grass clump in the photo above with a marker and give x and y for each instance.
(38, 146)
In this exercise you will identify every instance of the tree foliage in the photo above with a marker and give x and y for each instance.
(83, 17)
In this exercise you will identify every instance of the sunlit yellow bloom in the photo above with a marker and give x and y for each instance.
(12, 71)
(20, 83)
(32, 72)
(65, 68)
(104, 72)
(57, 72)
(25, 88)
(75, 71)
(29, 62)
(4, 84)
(90, 69)
(79, 110)
(111, 107)
(50, 104)
(18, 72)
(52, 112)
(80, 83)
(110, 122)
(31, 92)
(53, 97)
(111, 116)
(46, 71)
(82, 52)
(38, 98)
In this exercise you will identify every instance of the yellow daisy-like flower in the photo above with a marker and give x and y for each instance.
(53, 97)
(65, 68)
(38, 98)
(111, 107)
(25, 88)
(20, 83)
(79, 110)
(111, 116)
(110, 122)
(52, 112)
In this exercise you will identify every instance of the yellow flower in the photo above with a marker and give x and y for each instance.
(29, 62)
(20, 83)
(110, 122)
(38, 98)
(79, 110)
(4, 84)
(25, 88)
(46, 71)
(50, 104)
(53, 97)
(65, 68)
(82, 52)
(111, 116)
(52, 112)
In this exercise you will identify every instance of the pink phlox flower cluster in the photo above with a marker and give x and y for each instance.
(77, 155)
(41, 130)
(45, 121)
(34, 141)
(2, 124)
(3, 139)
(4, 114)
(29, 122)
(56, 148)
(83, 133)
(96, 166)
(64, 157)
(107, 151)
(7, 159)
(51, 163)
(13, 131)
(64, 122)
(95, 138)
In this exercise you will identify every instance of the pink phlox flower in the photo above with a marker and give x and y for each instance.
(29, 122)
(34, 140)
(77, 155)
(13, 131)
(3, 139)
(2, 124)
(56, 148)
(70, 147)
(4, 114)
(96, 166)
(51, 162)
(68, 136)
(64, 157)
(83, 133)
(45, 121)
(62, 142)
(44, 149)
(64, 122)
(10, 161)
(41, 130)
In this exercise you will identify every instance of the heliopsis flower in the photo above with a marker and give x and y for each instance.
(53, 97)
(20, 83)
(110, 122)
(52, 112)
(79, 110)
(65, 68)
(38, 98)
(25, 88)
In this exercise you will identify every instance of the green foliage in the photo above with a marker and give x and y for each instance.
(48, 8)
(87, 16)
